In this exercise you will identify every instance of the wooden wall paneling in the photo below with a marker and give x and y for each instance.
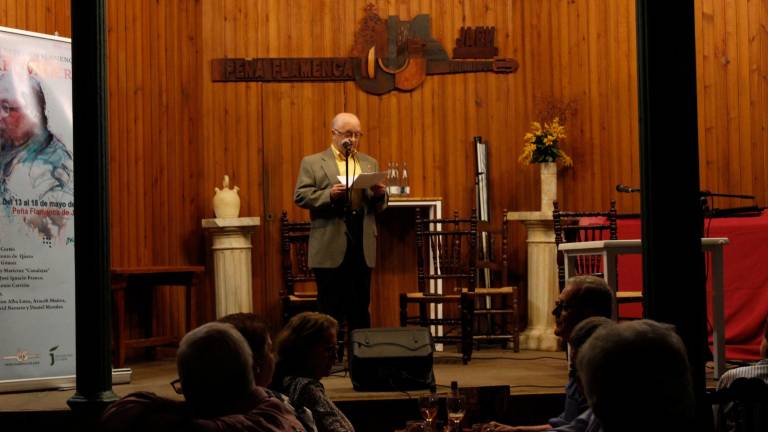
(730, 62)
(42, 16)
(724, 95)
(625, 130)
(705, 85)
(759, 95)
(751, 17)
(598, 83)
(116, 36)
(211, 40)
(744, 181)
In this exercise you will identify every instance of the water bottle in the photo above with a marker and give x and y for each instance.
(405, 187)
(394, 181)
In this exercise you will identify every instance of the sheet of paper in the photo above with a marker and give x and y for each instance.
(364, 180)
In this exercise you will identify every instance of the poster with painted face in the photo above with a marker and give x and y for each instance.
(37, 280)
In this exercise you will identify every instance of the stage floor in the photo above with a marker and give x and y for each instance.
(527, 373)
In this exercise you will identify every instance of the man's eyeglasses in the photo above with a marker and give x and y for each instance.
(176, 384)
(349, 134)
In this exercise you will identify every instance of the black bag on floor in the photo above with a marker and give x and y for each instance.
(391, 359)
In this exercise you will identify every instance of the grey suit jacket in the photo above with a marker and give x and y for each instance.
(328, 235)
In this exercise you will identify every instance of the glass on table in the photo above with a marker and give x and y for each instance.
(428, 408)
(455, 406)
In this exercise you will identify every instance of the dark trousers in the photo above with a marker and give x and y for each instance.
(344, 292)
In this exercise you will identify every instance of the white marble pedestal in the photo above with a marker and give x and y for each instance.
(232, 262)
(542, 281)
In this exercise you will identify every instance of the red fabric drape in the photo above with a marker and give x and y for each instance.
(746, 279)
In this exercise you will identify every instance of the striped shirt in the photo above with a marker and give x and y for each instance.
(757, 370)
(726, 414)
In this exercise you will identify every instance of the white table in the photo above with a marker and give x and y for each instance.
(609, 250)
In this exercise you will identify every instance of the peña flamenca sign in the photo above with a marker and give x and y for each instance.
(386, 55)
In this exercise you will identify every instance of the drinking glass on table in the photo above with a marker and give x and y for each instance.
(428, 409)
(455, 406)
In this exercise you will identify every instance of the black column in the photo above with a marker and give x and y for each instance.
(672, 218)
(92, 287)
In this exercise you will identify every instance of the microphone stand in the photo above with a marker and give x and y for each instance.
(347, 191)
(714, 212)
(706, 193)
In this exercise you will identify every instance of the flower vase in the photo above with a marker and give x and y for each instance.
(548, 171)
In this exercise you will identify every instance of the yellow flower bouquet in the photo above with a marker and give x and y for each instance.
(542, 144)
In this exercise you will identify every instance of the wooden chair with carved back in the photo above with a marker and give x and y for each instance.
(294, 249)
(446, 259)
(574, 227)
(496, 301)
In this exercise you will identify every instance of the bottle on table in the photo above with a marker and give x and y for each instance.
(394, 180)
(455, 407)
(405, 188)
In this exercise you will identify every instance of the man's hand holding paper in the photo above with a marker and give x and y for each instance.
(365, 180)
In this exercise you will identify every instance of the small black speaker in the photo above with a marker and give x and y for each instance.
(391, 359)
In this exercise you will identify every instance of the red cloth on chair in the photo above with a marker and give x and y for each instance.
(746, 279)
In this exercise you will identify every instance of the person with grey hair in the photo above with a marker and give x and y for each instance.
(585, 421)
(636, 377)
(215, 367)
(582, 298)
(342, 236)
(34, 163)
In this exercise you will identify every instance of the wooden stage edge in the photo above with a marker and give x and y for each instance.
(536, 381)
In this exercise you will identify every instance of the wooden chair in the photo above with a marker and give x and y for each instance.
(294, 249)
(496, 302)
(569, 227)
(446, 254)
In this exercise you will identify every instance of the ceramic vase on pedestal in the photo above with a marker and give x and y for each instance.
(226, 202)
(231, 251)
(548, 172)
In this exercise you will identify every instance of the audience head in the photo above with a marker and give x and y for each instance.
(307, 345)
(256, 333)
(215, 367)
(582, 297)
(584, 330)
(635, 376)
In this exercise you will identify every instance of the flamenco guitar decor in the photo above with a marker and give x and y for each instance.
(386, 55)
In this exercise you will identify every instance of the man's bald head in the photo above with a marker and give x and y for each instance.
(343, 121)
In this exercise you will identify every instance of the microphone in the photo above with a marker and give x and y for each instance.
(346, 144)
(626, 189)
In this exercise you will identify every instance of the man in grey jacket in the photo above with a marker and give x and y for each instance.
(342, 239)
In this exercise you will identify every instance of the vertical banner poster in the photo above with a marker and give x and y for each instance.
(37, 244)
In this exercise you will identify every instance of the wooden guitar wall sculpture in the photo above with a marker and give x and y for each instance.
(386, 55)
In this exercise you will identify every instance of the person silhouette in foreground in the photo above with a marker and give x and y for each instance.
(215, 367)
